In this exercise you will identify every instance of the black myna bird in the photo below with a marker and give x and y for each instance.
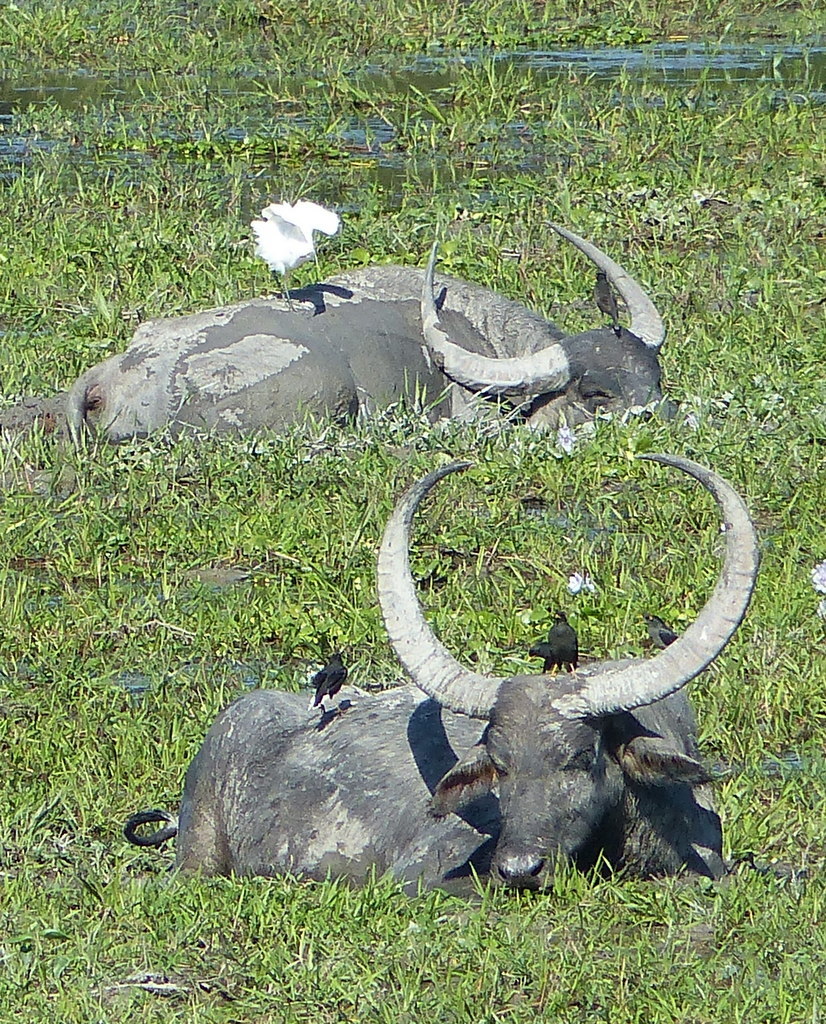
(561, 650)
(328, 681)
(606, 300)
(661, 635)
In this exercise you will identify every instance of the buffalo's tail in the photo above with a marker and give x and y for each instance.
(154, 838)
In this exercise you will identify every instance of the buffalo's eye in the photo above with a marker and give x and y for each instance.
(93, 400)
(498, 752)
(596, 398)
(582, 760)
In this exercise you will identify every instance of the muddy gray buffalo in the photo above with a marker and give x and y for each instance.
(365, 340)
(462, 772)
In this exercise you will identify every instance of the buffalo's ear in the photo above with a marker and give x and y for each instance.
(471, 777)
(651, 761)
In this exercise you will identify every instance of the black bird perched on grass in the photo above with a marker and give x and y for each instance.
(561, 649)
(606, 300)
(661, 635)
(328, 681)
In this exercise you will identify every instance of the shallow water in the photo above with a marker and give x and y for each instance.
(792, 68)
(794, 73)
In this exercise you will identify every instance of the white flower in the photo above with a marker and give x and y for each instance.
(579, 581)
(566, 439)
(692, 421)
(819, 577)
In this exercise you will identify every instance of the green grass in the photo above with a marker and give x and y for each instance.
(100, 584)
(139, 34)
(120, 641)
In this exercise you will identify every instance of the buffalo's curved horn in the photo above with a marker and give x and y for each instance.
(646, 322)
(431, 667)
(539, 372)
(642, 683)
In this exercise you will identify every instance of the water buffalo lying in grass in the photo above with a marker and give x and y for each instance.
(364, 340)
(597, 765)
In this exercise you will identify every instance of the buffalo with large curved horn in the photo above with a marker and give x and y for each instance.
(548, 369)
(597, 766)
(362, 341)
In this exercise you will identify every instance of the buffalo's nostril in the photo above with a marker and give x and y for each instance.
(519, 868)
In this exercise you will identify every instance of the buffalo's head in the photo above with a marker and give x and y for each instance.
(567, 754)
(570, 377)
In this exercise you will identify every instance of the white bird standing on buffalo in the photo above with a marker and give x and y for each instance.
(285, 235)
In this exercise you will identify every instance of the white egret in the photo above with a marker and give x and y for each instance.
(284, 237)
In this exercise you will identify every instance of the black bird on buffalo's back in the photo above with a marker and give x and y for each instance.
(606, 300)
(561, 649)
(661, 635)
(328, 681)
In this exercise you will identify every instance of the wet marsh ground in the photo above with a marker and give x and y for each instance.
(145, 586)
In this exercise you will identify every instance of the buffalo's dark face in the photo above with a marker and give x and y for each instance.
(561, 781)
(554, 792)
(609, 374)
(552, 780)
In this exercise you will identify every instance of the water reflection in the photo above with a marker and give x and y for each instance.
(684, 64)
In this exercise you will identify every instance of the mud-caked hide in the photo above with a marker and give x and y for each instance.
(362, 341)
(464, 773)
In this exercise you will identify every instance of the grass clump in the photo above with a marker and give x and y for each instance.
(138, 34)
